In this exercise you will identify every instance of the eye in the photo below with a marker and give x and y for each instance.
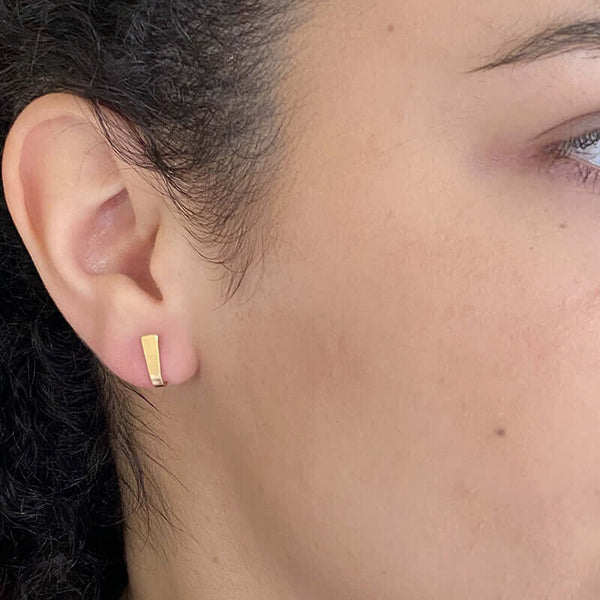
(578, 158)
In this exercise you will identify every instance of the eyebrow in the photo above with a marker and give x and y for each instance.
(552, 41)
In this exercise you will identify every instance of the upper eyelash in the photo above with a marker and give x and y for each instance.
(565, 150)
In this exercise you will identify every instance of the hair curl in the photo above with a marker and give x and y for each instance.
(193, 85)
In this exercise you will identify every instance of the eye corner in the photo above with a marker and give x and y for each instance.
(515, 156)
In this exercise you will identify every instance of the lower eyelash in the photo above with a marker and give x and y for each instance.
(586, 172)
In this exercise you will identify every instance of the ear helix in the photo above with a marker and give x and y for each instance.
(152, 355)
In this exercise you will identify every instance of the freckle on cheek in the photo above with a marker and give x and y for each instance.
(500, 432)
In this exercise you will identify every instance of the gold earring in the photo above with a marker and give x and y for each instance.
(152, 354)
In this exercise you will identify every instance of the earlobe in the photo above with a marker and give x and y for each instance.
(100, 238)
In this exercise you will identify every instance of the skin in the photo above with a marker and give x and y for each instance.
(402, 403)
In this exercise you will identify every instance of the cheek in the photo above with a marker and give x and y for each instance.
(386, 347)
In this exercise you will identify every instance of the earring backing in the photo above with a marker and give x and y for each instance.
(152, 355)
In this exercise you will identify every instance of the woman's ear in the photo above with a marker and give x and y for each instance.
(102, 238)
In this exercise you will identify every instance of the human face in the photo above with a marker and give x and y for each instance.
(408, 396)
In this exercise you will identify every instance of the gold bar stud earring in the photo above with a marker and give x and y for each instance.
(152, 354)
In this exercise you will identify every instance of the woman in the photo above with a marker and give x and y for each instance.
(301, 299)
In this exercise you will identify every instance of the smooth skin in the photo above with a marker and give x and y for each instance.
(403, 402)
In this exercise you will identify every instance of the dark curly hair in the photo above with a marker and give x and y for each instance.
(193, 83)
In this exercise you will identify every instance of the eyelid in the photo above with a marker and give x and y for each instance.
(566, 158)
(541, 147)
(534, 153)
(571, 128)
